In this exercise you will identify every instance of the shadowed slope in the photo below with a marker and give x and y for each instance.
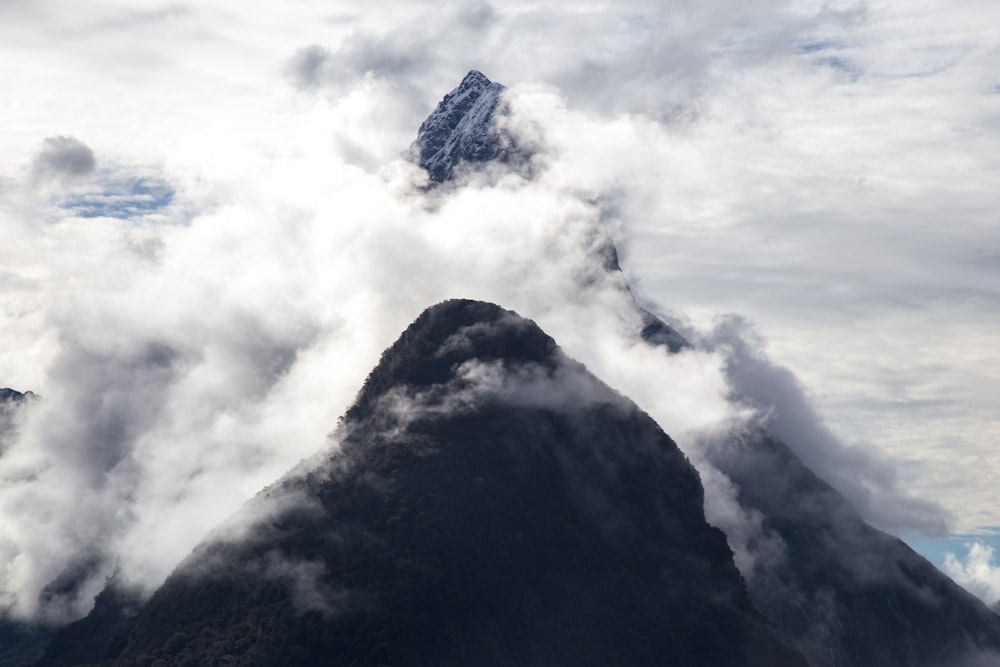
(845, 593)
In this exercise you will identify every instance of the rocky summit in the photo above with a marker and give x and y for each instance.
(463, 129)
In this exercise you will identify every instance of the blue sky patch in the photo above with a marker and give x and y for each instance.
(122, 199)
(935, 548)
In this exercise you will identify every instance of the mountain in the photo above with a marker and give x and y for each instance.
(8, 395)
(22, 643)
(464, 128)
(841, 591)
(486, 501)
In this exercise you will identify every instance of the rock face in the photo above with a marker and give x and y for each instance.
(490, 503)
(463, 128)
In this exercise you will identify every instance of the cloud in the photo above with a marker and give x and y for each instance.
(63, 159)
(305, 69)
(868, 481)
(979, 571)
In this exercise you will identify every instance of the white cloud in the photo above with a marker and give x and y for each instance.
(979, 571)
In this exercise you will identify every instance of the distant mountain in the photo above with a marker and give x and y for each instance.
(490, 503)
(10, 395)
(10, 402)
(464, 128)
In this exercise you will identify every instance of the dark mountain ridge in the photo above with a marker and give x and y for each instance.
(8, 394)
(490, 503)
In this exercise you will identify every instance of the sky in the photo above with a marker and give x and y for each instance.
(209, 235)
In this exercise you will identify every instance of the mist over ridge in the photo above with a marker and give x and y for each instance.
(488, 500)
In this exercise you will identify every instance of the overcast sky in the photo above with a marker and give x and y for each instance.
(208, 235)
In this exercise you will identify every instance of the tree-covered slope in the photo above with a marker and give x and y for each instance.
(488, 502)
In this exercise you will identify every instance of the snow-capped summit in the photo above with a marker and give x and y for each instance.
(463, 128)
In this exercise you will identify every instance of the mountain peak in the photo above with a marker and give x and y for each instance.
(448, 334)
(8, 394)
(475, 78)
(492, 503)
(463, 128)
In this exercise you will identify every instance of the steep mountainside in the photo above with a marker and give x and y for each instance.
(843, 592)
(490, 503)
(22, 643)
